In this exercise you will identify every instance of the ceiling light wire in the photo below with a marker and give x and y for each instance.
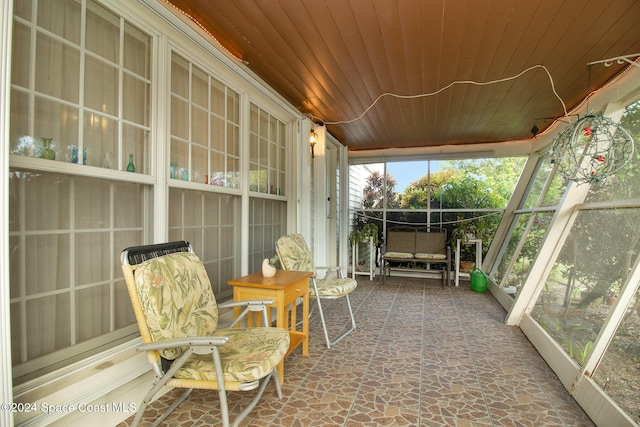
(457, 82)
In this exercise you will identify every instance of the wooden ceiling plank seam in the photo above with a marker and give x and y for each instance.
(475, 25)
(320, 54)
(450, 37)
(432, 49)
(237, 14)
(520, 58)
(291, 76)
(373, 45)
(522, 89)
(410, 16)
(363, 104)
(393, 47)
(295, 44)
(412, 21)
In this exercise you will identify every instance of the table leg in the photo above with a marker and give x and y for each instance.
(281, 322)
(305, 324)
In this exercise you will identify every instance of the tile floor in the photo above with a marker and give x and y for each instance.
(421, 356)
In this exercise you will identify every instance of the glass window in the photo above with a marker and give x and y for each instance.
(210, 222)
(267, 219)
(526, 239)
(66, 233)
(267, 141)
(592, 266)
(205, 127)
(618, 373)
(67, 118)
(545, 175)
(467, 195)
(81, 99)
(625, 184)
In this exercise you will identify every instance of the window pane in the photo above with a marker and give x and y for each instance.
(618, 373)
(267, 141)
(57, 69)
(135, 100)
(209, 221)
(104, 37)
(625, 184)
(516, 270)
(101, 86)
(268, 223)
(67, 229)
(20, 63)
(61, 17)
(58, 121)
(204, 139)
(101, 141)
(136, 47)
(592, 266)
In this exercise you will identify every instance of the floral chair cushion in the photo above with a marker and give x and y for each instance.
(294, 254)
(334, 287)
(176, 298)
(250, 354)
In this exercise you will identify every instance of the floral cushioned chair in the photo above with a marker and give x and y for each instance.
(177, 315)
(294, 254)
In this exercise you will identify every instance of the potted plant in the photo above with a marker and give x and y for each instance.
(362, 235)
(465, 231)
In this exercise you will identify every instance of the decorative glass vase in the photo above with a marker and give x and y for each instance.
(47, 152)
(130, 166)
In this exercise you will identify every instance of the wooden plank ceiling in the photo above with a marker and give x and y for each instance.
(333, 59)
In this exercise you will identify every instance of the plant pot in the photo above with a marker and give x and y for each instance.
(362, 267)
(466, 266)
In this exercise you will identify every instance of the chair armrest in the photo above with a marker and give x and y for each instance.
(184, 342)
(339, 270)
(330, 267)
(249, 306)
(258, 303)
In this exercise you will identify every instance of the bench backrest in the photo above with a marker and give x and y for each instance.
(401, 241)
(433, 241)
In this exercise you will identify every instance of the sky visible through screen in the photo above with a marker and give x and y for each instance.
(407, 172)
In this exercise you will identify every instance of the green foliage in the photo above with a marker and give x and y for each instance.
(470, 185)
(374, 198)
(361, 235)
(603, 246)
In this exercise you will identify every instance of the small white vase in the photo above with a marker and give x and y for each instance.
(267, 269)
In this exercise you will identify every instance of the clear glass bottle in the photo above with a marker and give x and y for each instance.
(130, 166)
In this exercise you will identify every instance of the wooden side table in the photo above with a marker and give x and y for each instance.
(284, 288)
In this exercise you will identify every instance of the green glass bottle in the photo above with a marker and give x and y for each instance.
(130, 166)
(47, 151)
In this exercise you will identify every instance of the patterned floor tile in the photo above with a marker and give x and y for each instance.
(420, 356)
